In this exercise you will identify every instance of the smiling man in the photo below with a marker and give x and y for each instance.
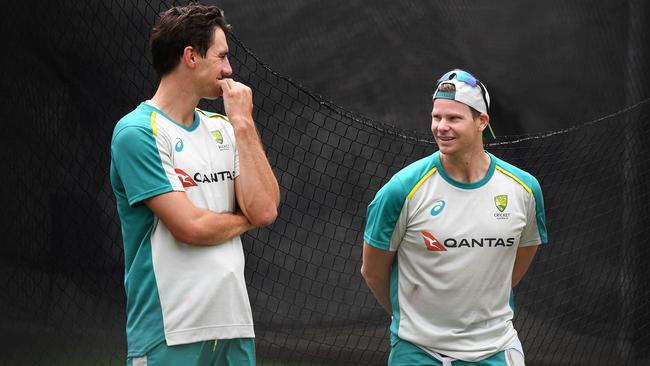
(449, 236)
(188, 183)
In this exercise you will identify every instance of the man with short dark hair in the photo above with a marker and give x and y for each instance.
(188, 183)
(449, 236)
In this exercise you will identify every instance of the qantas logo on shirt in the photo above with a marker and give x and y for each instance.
(192, 181)
(185, 178)
(480, 242)
(432, 244)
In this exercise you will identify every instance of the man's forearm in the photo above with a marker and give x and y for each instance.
(213, 228)
(376, 269)
(258, 193)
(523, 260)
(380, 287)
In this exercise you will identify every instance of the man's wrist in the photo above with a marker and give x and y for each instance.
(238, 121)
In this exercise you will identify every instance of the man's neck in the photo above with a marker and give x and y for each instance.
(176, 99)
(468, 167)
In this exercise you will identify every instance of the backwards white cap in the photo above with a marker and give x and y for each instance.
(468, 90)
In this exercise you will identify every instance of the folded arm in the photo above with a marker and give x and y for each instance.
(196, 226)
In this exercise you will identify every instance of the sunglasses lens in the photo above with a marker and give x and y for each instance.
(463, 76)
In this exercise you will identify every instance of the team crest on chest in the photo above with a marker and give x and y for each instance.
(501, 202)
(218, 137)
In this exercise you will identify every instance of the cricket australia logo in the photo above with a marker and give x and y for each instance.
(218, 137)
(501, 201)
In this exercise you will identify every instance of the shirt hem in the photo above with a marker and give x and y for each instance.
(143, 351)
(209, 333)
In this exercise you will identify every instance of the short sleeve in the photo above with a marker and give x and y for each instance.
(535, 231)
(385, 218)
(144, 169)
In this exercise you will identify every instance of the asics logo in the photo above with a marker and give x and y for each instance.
(179, 145)
(437, 207)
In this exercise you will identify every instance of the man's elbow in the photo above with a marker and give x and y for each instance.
(368, 275)
(265, 217)
(188, 234)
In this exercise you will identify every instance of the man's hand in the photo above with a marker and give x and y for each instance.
(237, 101)
(196, 226)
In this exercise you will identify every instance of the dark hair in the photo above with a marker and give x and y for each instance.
(449, 87)
(182, 26)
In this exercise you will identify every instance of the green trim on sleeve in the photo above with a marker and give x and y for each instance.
(385, 209)
(136, 167)
(531, 182)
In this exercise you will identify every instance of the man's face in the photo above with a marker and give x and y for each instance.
(454, 127)
(214, 66)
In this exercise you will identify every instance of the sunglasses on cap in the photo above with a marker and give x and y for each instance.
(461, 75)
(468, 79)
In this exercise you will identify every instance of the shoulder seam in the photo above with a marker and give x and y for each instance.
(152, 120)
(513, 177)
(212, 115)
(119, 131)
(421, 181)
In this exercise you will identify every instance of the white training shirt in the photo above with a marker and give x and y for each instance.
(456, 245)
(177, 292)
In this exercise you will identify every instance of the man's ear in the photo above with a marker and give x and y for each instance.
(483, 120)
(189, 57)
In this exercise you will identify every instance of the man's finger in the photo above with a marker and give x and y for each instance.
(231, 83)
(226, 84)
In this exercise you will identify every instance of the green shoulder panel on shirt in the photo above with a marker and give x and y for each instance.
(385, 208)
(530, 183)
(136, 167)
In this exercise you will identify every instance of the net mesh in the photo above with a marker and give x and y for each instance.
(584, 302)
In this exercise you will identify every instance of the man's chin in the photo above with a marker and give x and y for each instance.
(214, 96)
(446, 149)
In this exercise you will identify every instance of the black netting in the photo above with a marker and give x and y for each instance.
(585, 300)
